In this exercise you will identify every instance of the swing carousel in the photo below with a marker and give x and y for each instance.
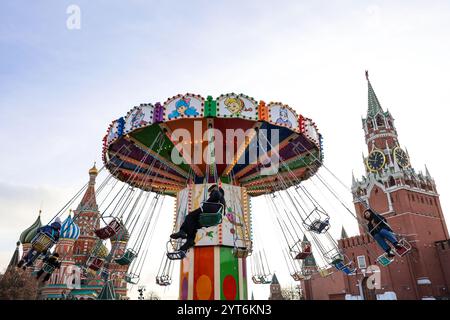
(180, 149)
(183, 146)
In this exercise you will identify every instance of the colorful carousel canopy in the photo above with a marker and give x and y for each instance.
(159, 147)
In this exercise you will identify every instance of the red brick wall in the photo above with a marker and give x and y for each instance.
(400, 276)
(318, 288)
(443, 252)
(378, 199)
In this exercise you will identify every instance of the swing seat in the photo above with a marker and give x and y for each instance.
(265, 279)
(104, 274)
(304, 254)
(319, 226)
(163, 281)
(48, 268)
(341, 266)
(405, 247)
(384, 260)
(42, 242)
(177, 255)
(96, 264)
(110, 230)
(297, 276)
(210, 219)
(348, 271)
(308, 271)
(89, 274)
(173, 251)
(131, 278)
(324, 272)
(240, 252)
(126, 258)
(256, 280)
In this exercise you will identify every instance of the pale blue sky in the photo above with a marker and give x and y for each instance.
(60, 88)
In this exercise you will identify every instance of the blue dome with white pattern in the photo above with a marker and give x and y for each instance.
(69, 230)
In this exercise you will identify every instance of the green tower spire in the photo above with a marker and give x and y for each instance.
(343, 233)
(107, 292)
(374, 105)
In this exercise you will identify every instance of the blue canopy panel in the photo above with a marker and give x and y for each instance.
(266, 133)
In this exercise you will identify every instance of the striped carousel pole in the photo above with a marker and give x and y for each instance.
(210, 270)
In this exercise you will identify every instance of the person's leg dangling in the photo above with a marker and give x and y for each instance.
(383, 244)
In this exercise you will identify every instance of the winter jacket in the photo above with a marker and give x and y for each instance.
(50, 231)
(376, 223)
(216, 196)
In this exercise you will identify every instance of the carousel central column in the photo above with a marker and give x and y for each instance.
(210, 270)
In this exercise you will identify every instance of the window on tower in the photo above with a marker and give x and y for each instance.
(369, 124)
(391, 182)
(380, 122)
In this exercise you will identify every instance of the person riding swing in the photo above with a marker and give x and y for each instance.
(51, 263)
(52, 231)
(191, 224)
(381, 231)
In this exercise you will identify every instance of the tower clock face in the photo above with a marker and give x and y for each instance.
(401, 157)
(376, 160)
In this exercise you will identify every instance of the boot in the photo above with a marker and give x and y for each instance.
(177, 235)
(389, 254)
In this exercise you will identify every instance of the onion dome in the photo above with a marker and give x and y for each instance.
(69, 229)
(102, 252)
(122, 235)
(93, 170)
(28, 234)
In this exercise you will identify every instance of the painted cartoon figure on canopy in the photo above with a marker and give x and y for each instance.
(236, 106)
(112, 133)
(235, 219)
(137, 119)
(284, 118)
(183, 108)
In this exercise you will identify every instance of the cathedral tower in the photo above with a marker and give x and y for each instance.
(87, 218)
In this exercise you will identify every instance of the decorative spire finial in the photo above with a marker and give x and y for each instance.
(353, 180)
(367, 75)
(427, 172)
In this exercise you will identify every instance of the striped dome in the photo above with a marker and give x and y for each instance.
(28, 234)
(69, 229)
